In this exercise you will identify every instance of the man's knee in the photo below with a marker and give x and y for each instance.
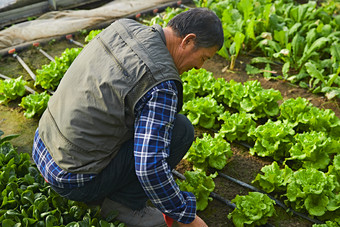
(183, 129)
(182, 137)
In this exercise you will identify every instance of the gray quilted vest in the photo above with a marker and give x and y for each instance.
(92, 112)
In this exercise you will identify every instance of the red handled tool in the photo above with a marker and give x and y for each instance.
(169, 221)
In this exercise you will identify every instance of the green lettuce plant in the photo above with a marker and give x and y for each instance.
(251, 97)
(49, 76)
(253, 209)
(200, 185)
(236, 126)
(313, 149)
(327, 224)
(209, 152)
(203, 111)
(92, 34)
(273, 178)
(313, 191)
(307, 117)
(273, 139)
(197, 83)
(34, 104)
(10, 89)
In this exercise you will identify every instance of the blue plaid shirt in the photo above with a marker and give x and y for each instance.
(153, 126)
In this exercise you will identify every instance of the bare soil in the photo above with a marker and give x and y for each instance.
(241, 166)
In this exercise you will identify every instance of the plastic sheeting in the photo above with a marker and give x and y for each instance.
(58, 23)
(12, 4)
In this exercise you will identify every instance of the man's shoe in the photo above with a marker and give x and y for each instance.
(147, 217)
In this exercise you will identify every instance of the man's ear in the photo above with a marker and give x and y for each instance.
(188, 40)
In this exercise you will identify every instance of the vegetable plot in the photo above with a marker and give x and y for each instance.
(27, 200)
(305, 150)
(302, 41)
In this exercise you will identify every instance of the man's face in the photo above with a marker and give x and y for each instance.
(189, 56)
(195, 58)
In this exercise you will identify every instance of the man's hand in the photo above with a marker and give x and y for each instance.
(198, 222)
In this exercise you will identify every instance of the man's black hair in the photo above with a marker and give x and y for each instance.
(202, 22)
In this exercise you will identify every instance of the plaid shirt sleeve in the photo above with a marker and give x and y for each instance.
(156, 113)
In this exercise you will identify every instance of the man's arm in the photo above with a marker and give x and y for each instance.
(153, 130)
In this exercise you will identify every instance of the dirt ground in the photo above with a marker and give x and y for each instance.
(242, 165)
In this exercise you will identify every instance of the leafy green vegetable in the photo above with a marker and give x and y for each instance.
(298, 35)
(6, 138)
(235, 48)
(314, 191)
(10, 89)
(203, 111)
(27, 200)
(197, 82)
(34, 104)
(274, 178)
(307, 117)
(208, 151)
(253, 209)
(164, 17)
(92, 34)
(327, 224)
(49, 76)
(200, 185)
(236, 126)
(261, 102)
(273, 139)
(313, 149)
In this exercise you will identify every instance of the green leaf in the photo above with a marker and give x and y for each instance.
(49, 76)
(8, 223)
(318, 44)
(252, 70)
(261, 60)
(274, 178)
(51, 221)
(92, 35)
(298, 43)
(285, 69)
(314, 72)
(316, 205)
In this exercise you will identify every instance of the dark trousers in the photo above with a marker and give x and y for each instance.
(118, 180)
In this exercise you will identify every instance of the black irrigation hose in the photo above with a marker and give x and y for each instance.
(216, 196)
(243, 144)
(278, 202)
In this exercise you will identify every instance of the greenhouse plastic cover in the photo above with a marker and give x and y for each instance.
(58, 23)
